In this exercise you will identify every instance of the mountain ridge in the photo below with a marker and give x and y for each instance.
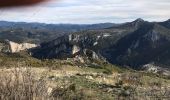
(38, 32)
(131, 44)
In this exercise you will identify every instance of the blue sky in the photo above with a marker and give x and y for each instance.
(89, 11)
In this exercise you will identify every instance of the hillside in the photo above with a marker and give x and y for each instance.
(131, 44)
(69, 79)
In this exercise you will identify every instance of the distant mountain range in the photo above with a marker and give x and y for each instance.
(133, 44)
(40, 32)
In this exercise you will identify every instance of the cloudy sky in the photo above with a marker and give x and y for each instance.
(89, 11)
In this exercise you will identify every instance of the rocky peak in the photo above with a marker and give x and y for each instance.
(139, 20)
(134, 24)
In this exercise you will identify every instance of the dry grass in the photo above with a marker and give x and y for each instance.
(21, 84)
(67, 83)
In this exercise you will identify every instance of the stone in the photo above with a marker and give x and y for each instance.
(15, 47)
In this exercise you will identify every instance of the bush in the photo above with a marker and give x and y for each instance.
(119, 84)
(21, 84)
(70, 93)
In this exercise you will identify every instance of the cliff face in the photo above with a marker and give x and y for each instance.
(75, 49)
(15, 47)
(66, 47)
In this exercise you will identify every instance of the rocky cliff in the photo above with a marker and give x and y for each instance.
(65, 47)
(15, 47)
(132, 44)
(12, 47)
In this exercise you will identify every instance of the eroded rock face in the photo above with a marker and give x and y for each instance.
(151, 67)
(15, 47)
(69, 46)
(75, 49)
(91, 54)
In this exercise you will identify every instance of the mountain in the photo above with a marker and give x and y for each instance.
(89, 39)
(149, 43)
(166, 23)
(133, 44)
(39, 32)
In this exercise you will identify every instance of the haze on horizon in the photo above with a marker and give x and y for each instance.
(89, 11)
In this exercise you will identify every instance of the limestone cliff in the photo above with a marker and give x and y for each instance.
(15, 47)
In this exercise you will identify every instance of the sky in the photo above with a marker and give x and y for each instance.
(89, 11)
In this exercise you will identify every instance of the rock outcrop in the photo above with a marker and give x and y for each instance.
(156, 69)
(15, 47)
(69, 46)
(75, 49)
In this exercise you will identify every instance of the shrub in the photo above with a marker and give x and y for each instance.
(21, 84)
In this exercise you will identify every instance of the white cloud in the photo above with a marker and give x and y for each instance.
(90, 11)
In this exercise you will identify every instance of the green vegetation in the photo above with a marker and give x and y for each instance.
(69, 80)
